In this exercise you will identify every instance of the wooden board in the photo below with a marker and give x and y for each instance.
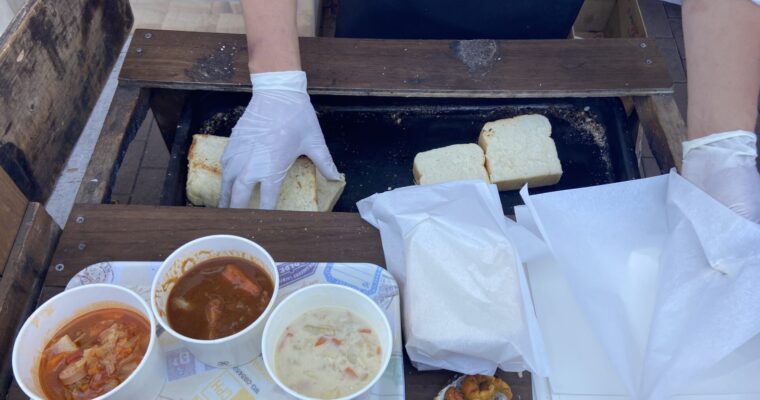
(22, 280)
(112, 232)
(12, 209)
(55, 58)
(664, 128)
(125, 115)
(429, 68)
(117, 232)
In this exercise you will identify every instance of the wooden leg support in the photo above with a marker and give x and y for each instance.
(664, 128)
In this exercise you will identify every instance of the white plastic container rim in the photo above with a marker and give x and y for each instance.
(145, 312)
(387, 346)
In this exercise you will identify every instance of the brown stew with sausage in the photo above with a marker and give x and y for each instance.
(93, 354)
(218, 298)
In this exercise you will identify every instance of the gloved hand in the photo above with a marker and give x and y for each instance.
(724, 166)
(278, 126)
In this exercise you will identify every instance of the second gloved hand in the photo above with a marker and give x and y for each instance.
(278, 126)
(724, 166)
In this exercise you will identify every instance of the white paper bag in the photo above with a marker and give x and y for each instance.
(668, 278)
(465, 298)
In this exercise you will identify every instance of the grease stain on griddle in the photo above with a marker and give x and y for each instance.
(478, 55)
(216, 66)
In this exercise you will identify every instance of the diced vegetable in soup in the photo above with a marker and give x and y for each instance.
(218, 298)
(328, 353)
(93, 354)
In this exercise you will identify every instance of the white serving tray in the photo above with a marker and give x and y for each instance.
(189, 379)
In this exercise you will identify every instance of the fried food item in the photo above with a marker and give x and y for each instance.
(482, 387)
(453, 393)
(478, 387)
(503, 388)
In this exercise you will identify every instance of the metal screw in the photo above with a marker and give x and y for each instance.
(148, 35)
(643, 45)
(648, 61)
(58, 267)
(139, 50)
(79, 219)
(82, 245)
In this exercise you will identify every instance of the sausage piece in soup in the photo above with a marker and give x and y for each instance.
(328, 353)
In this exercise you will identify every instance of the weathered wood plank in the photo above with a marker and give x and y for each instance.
(423, 68)
(12, 209)
(117, 232)
(128, 109)
(22, 280)
(55, 58)
(664, 128)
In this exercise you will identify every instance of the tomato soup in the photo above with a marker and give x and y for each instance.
(93, 354)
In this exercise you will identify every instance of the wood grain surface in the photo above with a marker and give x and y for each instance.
(142, 233)
(12, 209)
(55, 58)
(422, 68)
(113, 232)
(664, 128)
(21, 283)
(127, 111)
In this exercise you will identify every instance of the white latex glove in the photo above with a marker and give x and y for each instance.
(724, 166)
(278, 126)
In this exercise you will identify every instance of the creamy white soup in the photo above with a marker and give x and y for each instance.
(328, 353)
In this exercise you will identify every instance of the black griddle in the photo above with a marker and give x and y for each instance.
(373, 140)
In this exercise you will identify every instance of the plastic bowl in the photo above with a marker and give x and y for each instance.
(145, 382)
(320, 296)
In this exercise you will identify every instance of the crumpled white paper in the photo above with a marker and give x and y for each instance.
(467, 306)
(704, 302)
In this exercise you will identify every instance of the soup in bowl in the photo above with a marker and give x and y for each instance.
(327, 342)
(95, 341)
(214, 294)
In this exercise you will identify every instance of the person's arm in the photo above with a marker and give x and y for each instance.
(722, 41)
(279, 124)
(272, 32)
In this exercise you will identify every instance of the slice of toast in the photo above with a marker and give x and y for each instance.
(450, 163)
(298, 191)
(520, 150)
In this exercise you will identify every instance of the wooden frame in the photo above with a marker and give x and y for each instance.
(55, 59)
(33, 237)
(161, 67)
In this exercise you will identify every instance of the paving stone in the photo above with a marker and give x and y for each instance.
(156, 155)
(120, 198)
(655, 19)
(669, 51)
(672, 10)
(148, 187)
(125, 178)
